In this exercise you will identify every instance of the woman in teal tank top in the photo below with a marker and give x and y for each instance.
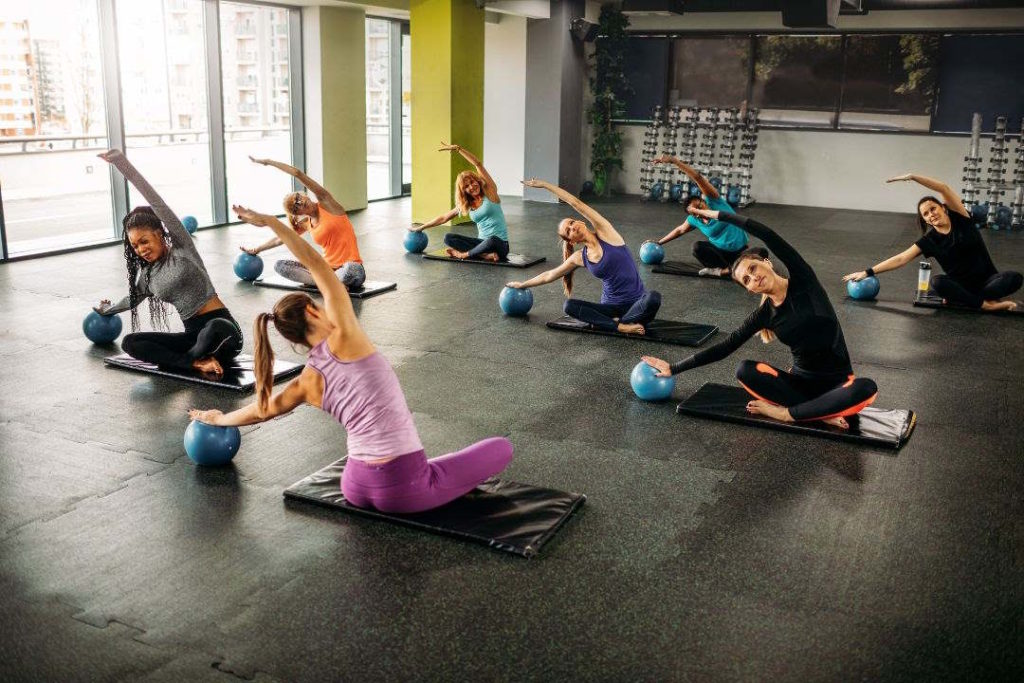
(476, 196)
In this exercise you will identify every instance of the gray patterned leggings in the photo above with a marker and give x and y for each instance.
(351, 274)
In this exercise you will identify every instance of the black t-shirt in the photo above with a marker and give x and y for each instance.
(805, 322)
(961, 252)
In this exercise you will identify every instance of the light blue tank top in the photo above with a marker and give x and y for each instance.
(490, 220)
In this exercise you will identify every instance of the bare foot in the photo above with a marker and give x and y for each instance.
(759, 407)
(998, 305)
(452, 253)
(491, 256)
(837, 422)
(209, 366)
(631, 328)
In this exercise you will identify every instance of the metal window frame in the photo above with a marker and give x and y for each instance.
(395, 107)
(296, 95)
(215, 111)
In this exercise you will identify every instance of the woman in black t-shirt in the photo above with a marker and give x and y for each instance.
(821, 384)
(948, 234)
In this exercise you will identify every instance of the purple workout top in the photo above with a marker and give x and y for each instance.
(365, 397)
(620, 279)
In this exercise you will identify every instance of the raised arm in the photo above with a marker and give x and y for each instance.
(949, 196)
(705, 187)
(892, 263)
(782, 249)
(568, 265)
(490, 187)
(179, 235)
(321, 193)
(443, 218)
(601, 225)
(337, 302)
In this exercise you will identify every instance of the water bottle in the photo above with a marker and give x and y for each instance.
(924, 279)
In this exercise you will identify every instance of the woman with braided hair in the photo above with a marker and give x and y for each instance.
(164, 266)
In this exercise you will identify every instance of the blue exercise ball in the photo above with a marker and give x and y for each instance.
(648, 386)
(675, 193)
(515, 302)
(863, 290)
(190, 223)
(211, 445)
(1004, 217)
(588, 187)
(101, 329)
(656, 190)
(979, 212)
(716, 182)
(248, 267)
(415, 241)
(733, 196)
(694, 190)
(651, 253)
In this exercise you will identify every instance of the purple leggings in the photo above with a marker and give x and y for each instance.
(411, 483)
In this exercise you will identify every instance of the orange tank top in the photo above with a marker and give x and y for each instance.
(336, 235)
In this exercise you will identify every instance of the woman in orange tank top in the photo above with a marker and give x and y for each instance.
(327, 222)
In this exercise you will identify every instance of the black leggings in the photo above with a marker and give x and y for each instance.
(806, 398)
(214, 334)
(601, 316)
(712, 257)
(994, 288)
(476, 246)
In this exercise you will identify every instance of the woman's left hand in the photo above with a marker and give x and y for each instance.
(252, 217)
(533, 182)
(856, 277)
(710, 214)
(210, 417)
(445, 147)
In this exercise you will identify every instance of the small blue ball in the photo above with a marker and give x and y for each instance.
(863, 290)
(733, 196)
(716, 182)
(515, 302)
(190, 223)
(248, 267)
(694, 190)
(211, 445)
(415, 242)
(588, 187)
(656, 190)
(675, 193)
(648, 386)
(101, 329)
(979, 212)
(651, 253)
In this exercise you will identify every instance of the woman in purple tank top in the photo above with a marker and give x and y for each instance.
(387, 468)
(626, 306)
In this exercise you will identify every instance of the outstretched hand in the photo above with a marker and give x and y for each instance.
(103, 307)
(662, 366)
(252, 251)
(261, 162)
(252, 217)
(210, 417)
(900, 178)
(533, 182)
(514, 285)
(445, 147)
(856, 277)
(663, 159)
(709, 214)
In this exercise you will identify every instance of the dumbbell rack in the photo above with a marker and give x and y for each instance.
(668, 146)
(709, 143)
(997, 161)
(648, 152)
(972, 166)
(688, 149)
(748, 148)
(1017, 219)
(727, 151)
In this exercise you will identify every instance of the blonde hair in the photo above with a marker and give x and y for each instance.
(567, 251)
(289, 318)
(463, 199)
(767, 336)
(299, 222)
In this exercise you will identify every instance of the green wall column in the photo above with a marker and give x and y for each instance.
(447, 97)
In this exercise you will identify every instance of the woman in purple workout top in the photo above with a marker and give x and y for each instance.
(345, 376)
(626, 305)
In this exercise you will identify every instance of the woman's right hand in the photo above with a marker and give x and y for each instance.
(856, 277)
(416, 227)
(261, 162)
(533, 182)
(702, 213)
(252, 251)
(252, 217)
(663, 159)
(662, 366)
(514, 285)
(900, 178)
(103, 307)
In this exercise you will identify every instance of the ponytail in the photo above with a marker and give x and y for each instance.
(567, 250)
(263, 361)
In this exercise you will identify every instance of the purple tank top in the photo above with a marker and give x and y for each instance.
(365, 397)
(620, 279)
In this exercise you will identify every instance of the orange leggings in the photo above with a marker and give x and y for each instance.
(806, 398)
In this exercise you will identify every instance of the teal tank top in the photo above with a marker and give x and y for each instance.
(490, 220)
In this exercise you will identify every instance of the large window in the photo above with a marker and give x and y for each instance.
(797, 78)
(56, 193)
(202, 86)
(388, 102)
(709, 71)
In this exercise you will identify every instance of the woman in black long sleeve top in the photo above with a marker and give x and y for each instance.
(821, 384)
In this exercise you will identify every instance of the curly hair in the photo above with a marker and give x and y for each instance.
(143, 217)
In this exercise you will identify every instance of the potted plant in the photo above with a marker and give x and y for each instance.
(609, 87)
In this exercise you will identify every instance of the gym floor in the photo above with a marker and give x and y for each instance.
(705, 550)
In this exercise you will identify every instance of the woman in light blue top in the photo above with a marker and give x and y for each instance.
(476, 196)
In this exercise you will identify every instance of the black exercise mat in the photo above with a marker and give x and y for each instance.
(369, 288)
(513, 261)
(889, 428)
(237, 377)
(685, 269)
(505, 515)
(663, 331)
(932, 301)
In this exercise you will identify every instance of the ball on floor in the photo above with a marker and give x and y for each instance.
(651, 253)
(657, 189)
(515, 302)
(211, 445)
(863, 290)
(415, 241)
(101, 329)
(248, 267)
(190, 223)
(675, 193)
(648, 386)
(588, 188)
